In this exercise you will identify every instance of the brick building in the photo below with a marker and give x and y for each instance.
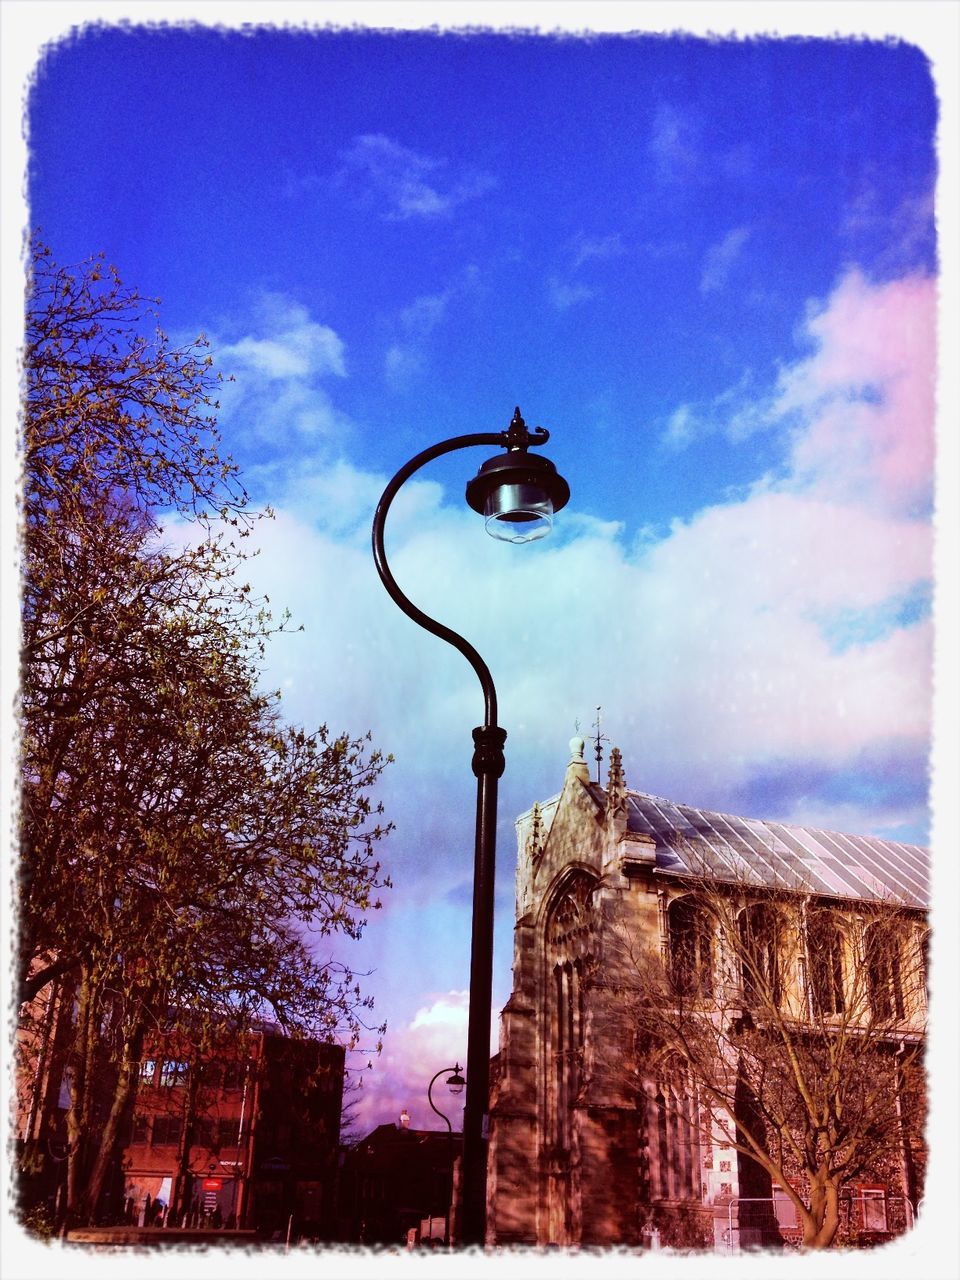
(244, 1136)
(588, 1144)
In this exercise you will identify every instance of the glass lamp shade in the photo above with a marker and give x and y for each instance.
(517, 494)
(456, 1082)
(518, 513)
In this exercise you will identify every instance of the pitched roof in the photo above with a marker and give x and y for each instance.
(696, 841)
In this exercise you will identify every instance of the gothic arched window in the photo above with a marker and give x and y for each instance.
(761, 955)
(568, 945)
(691, 947)
(825, 963)
(673, 1139)
(883, 947)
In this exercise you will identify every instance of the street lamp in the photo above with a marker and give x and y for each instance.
(517, 493)
(454, 1083)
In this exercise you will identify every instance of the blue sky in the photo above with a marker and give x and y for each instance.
(706, 265)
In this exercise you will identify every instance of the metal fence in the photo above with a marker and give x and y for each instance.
(870, 1213)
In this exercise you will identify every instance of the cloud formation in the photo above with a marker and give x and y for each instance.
(276, 374)
(404, 183)
(770, 655)
(416, 324)
(720, 259)
(856, 411)
(866, 397)
(564, 294)
(673, 144)
(434, 1038)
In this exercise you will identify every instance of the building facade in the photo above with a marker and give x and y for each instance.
(397, 1181)
(594, 1141)
(244, 1134)
(245, 1137)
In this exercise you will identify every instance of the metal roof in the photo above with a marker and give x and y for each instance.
(802, 859)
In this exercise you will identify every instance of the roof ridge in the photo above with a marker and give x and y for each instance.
(790, 826)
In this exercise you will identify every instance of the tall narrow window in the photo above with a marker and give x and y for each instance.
(825, 964)
(569, 932)
(675, 1175)
(884, 957)
(761, 964)
(691, 952)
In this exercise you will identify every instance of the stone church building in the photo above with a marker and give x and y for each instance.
(584, 1150)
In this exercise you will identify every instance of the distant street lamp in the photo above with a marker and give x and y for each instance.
(454, 1083)
(517, 493)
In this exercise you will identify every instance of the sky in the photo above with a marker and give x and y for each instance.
(709, 266)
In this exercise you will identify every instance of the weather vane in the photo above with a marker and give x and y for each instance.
(600, 738)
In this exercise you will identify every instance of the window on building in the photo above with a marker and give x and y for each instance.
(784, 1210)
(883, 945)
(167, 1130)
(674, 1153)
(212, 1074)
(203, 1132)
(568, 941)
(761, 958)
(173, 1073)
(227, 1132)
(925, 962)
(233, 1075)
(870, 1207)
(133, 1130)
(825, 964)
(691, 950)
(147, 1070)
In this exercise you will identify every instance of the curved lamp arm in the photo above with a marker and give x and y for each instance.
(505, 440)
(433, 1106)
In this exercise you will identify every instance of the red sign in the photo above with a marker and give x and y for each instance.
(212, 1184)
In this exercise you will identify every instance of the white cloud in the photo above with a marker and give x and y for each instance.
(865, 397)
(856, 410)
(276, 373)
(294, 346)
(673, 143)
(721, 258)
(417, 322)
(712, 648)
(406, 183)
(591, 248)
(681, 429)
(434, 1039)
(563, 295)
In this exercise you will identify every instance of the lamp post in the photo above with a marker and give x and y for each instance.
(517, 493)
(454, 1083)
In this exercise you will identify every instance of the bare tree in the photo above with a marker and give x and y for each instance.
(184, 853)
(792, 1027)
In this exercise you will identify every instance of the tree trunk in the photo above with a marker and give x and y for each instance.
(106, 1148)
(821, 1223)
(178, 1198)
(78, 1113)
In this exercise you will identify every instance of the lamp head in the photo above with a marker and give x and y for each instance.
(455, 1082)
(517, 493)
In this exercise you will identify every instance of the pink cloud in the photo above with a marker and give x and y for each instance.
(867, 394)
(435, 1037)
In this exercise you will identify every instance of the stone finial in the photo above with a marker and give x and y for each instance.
(535, 838)
(616, 783)
(576, 765)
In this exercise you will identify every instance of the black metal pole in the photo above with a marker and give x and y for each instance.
(488, 765)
